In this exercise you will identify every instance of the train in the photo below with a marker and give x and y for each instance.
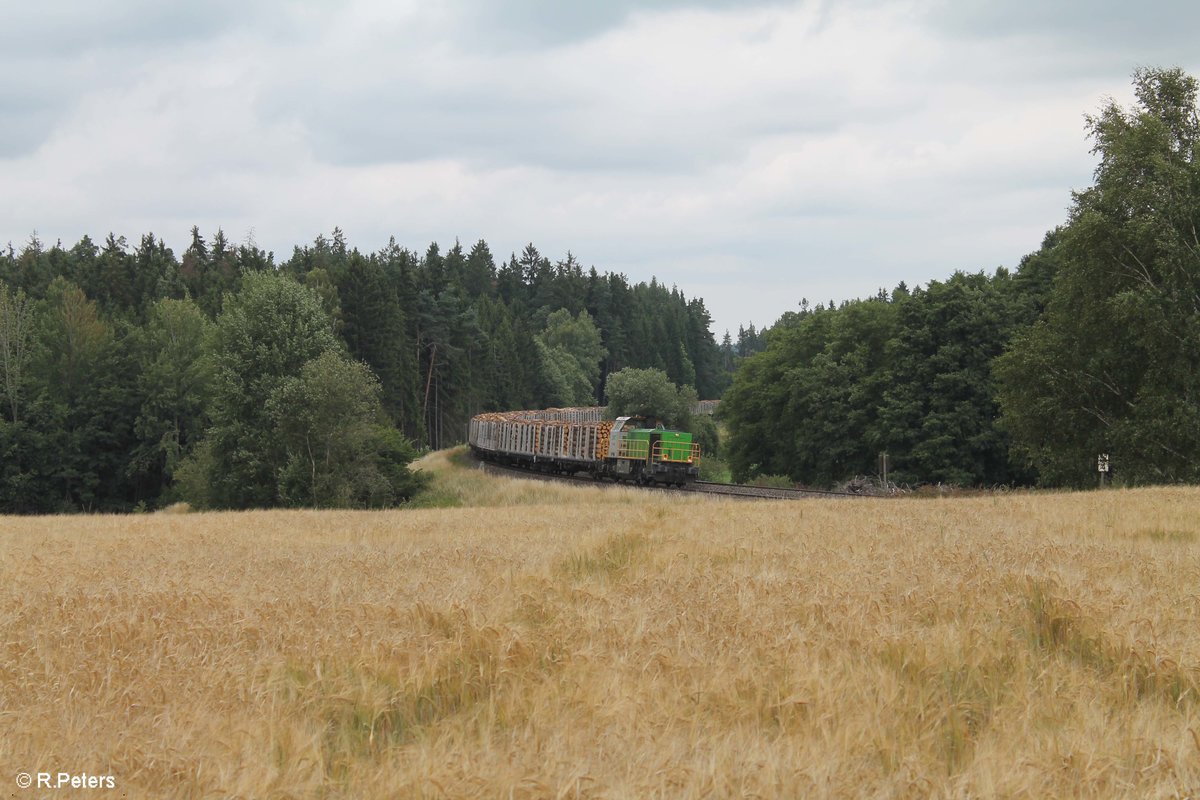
(571, 440)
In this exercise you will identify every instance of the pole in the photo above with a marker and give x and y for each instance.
(428, 381)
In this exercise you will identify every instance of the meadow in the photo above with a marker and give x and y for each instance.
(526, 640)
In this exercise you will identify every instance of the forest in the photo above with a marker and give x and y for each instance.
(130, 377)
(1092, 346)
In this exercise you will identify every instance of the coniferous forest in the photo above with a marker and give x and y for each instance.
(131, 374)
(131, 377)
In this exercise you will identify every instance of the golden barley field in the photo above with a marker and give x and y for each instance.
(546, 641)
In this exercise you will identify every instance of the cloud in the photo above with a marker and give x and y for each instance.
(752, 154)
(529, 24)
(1164, 27)
(68, 28)
(54, 56)
(666, 92)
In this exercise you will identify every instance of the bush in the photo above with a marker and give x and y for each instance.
(714, 469)
(773, 482)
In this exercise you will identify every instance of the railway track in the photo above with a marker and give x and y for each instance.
(762, 492)
(734, 490)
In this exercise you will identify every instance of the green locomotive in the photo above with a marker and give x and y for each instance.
(651, 455)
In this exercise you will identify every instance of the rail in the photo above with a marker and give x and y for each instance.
(732, 491)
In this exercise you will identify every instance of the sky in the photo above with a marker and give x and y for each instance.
(750, 153)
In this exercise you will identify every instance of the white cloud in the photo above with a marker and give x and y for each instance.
(752, 155)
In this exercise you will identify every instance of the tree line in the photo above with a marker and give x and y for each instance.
(130, 376)
(1091, 347)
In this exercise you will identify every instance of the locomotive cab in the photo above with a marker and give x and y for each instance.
(652, 455)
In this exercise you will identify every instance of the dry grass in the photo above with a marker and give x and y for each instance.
(458, 481)
(611, 646)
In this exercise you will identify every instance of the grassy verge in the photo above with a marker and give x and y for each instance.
(457, 481)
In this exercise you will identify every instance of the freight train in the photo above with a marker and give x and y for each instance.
(571, 440)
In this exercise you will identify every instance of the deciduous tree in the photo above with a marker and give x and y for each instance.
(16, 331)
(649, 393)
(1113, 366)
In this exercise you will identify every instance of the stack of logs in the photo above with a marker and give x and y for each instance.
(562, 434)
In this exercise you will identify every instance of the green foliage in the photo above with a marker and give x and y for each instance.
(372, 326)
(74, 341)
(16, 333)
(569, 352)
(704, 433)
(322, 285)
(27, 463)
(908, 375)
(808, 405)
(175, 381)
(507, 373)
(263, 338)
(714, 469)
(937, 420)
(126, 392)
(561, 382)
(1113, 365)
(85, 403)
(193, 478)
(295, 422)
(339, 449)
(649, 393)
(1093, 346)
(773, 481)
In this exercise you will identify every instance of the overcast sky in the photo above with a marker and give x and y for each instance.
(751, 153)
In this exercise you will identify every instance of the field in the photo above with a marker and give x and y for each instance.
(544, 641)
